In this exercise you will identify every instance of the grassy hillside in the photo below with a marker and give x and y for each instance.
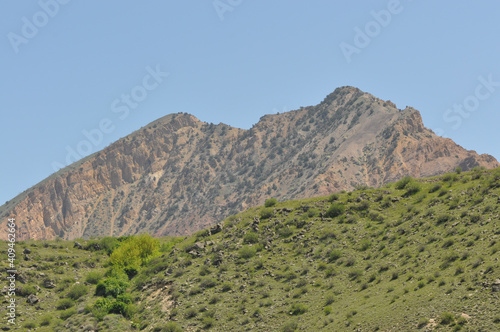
(414, 255)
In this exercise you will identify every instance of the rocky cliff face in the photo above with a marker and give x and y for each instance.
(178, 174)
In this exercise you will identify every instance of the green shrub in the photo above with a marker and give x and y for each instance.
(285, 232)
(100, 308)
(310, 213)
(298, 309)
(135, 251)
(93, 277)
(442, 193)
(333, 197)
(64, 304)
(117, 273)
(335, 210)
(365, 244)
(266, 213)
(169, 327)
(169, 244)
(67, 313)
(46, 320)
(208, 283)
(117, 307)
(270, 202)
(227, 286)
(401, 184)
(26, 291)
(446, 318)
(207, 322)
(334, 255)
(214, 299)
(442, 218)
(355, 274)
(131, 271)
(450, 177)
(92, 245)
(412, 188)
(435, 188)
(191, 312)
(109, 244)
(290, 327)
(327, 234)
(204, 270)
(362, 206)
(247, 252)
(327, 310)
(77, 291)
(251, 238)
(125, 298)
(422, 322)
(195, 290)
(111, 287)
(386, 203)
(448, 243)
(350, 261)
(359, 187)
(102, 303)
(29, 325)
(329, 299)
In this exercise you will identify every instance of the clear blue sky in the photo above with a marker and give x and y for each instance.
(67, 67)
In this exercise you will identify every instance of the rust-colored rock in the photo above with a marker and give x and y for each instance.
(178, 175)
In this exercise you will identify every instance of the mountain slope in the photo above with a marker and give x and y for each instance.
(178, 174)
(414, 255)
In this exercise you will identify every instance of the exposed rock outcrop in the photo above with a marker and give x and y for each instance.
(178, 174)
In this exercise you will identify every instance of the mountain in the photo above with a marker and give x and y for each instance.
(413, 255)
(178, 174)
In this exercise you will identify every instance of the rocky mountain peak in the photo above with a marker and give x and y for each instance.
(179, 174)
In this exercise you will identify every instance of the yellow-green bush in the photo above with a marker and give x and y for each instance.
(135, 251)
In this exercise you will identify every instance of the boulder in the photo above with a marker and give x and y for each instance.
(32, 299)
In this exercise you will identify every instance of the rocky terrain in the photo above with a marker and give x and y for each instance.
(178, 174)
(414, 255)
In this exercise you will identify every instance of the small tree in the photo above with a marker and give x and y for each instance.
(135, 251)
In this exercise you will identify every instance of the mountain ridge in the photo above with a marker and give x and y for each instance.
(178, 174)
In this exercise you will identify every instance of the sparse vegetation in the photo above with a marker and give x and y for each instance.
(318, 264)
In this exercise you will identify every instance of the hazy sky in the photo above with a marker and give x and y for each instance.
(76, 76)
